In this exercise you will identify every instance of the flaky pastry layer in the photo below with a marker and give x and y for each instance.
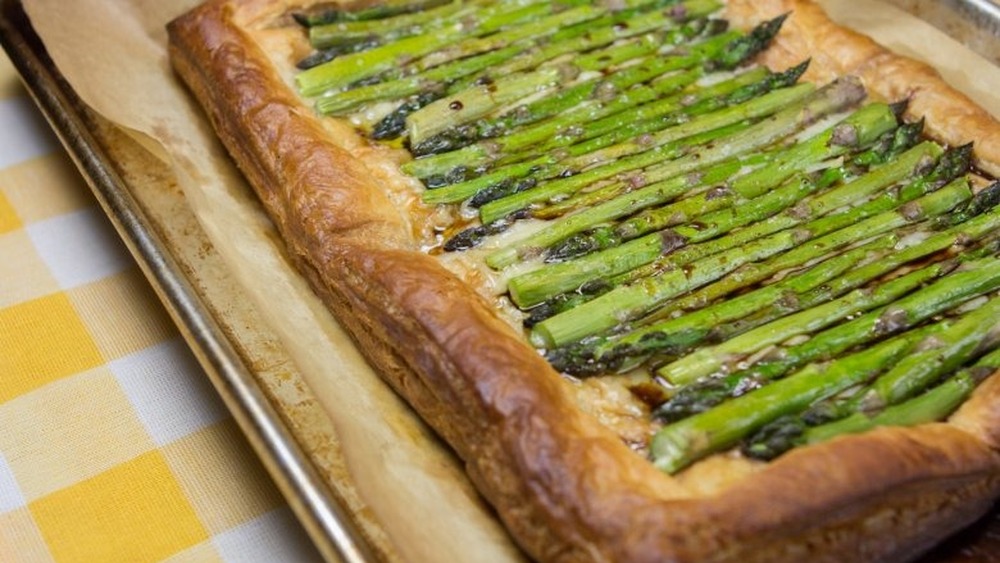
(567, 488)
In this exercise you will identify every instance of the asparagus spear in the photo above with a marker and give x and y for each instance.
(934, 356)
(675, 335)
(930, 242)
(935, 404)
(869, 122)
(668, 150)
(954, 163)
(593, 93)
(713, 359)
(323, 34)
(985, 199)
(695, 55)
(756, 183)
(793, 293)
(829, 99)
(677, 445)
(715, 127)
(719, 51)
(324, 15)
(701, 395)
(585, 120)
(627, 302)
(535, 286)
(548, 164)
(632, 21)
(738, 193)
(345, 70)
(433, 80)
(944, 354)
(432, 86)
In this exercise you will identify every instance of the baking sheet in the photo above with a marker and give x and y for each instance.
(429, 521)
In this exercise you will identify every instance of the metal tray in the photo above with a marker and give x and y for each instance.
(122, 177)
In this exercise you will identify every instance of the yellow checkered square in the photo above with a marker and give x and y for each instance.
(204, 462)
(25, 276)
(109, 517)
(69, 431)
(131, 325)
(44, 187)
(52, 343)
(202, 553)
(20, 539)
(9, 221)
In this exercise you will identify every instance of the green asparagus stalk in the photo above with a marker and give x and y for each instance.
(756, 183)
(954, 163)
(324, 34)
(677, 445)
(676, 139)
(635, 177)
(703, 394)
(738, 212)
(533, 287)
(934, 405)
(659, 192)
(435, 80)
(722, 357)
(387, 9)
(869, 123)
(832, 98)
(595, 98)
(585, 120)
(945, 353)
(753, 309)
(629, 302)
(984, 200)
(548, 164)
(934, 356)
(737, 194)
(345, 70)
(474, 102)
(626, 23)
(434, 120)
(592, 94)
(930, 243)
(454, 77)
(676, 335)
(587, 113)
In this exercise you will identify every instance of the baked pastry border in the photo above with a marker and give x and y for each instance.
(566, 487)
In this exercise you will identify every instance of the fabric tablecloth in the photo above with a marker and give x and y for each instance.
(113, 444)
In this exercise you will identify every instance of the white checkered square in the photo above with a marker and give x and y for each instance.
(274, 537)
(169, 391)
(26, 135)
(79, 247)
(10, 494)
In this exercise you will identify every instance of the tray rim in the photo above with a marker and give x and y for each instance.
(326, 521)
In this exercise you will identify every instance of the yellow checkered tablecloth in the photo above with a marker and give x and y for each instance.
(113, 445)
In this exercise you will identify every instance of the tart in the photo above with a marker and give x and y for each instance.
(663, 274)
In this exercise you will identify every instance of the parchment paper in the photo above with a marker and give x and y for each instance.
(113, 53)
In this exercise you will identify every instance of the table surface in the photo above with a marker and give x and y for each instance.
(114, 446)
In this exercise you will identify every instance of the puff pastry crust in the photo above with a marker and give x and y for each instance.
(566, 487)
